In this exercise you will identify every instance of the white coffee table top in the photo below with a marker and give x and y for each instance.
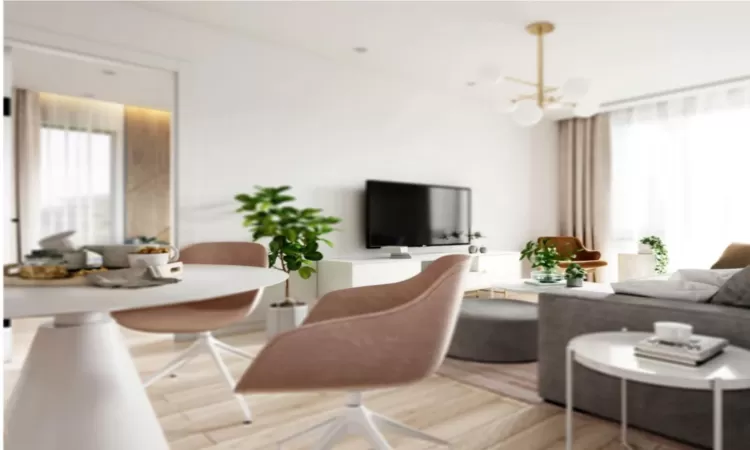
(200, 281)
(522, 286)
(613, 354)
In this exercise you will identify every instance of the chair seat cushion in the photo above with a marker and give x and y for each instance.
(585, 264)
(185, 317)
(495, 330)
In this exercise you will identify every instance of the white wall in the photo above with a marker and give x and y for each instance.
(251, 113)
(10, 235)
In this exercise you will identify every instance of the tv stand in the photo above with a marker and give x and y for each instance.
(486, 268)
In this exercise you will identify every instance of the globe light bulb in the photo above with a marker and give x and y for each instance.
(527, 113)
(574, 89)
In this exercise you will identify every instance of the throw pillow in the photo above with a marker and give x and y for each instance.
(736, 291)
(714, 277)
(736, 256)
(689, 291)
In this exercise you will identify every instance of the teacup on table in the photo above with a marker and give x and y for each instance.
(675, 332)
(153, 259)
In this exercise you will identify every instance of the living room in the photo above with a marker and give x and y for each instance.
(609, 122)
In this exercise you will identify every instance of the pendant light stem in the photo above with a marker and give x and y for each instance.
(540, 68)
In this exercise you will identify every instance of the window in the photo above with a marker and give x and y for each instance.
(682, 177)
(76, 184)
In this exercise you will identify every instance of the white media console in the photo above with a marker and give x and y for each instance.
(486, 268)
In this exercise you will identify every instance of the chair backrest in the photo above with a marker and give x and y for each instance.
(398, 344)
(227, 253)
(427, 322)
(567, 246)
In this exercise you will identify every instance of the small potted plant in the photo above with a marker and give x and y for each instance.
(654, 245)
(574, 275)
(293, 238)
(545, 261)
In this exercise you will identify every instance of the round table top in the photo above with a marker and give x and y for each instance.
(613, 354)
(199, 282)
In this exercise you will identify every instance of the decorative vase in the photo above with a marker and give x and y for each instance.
(547, 275)
(284, 318)
(574, 282)
(472, 249)
(644, 249)
(482, 249)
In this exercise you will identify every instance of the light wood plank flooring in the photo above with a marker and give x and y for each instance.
(198, 412)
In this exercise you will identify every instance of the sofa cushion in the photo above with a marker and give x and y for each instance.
(735, 256)
(736, 291)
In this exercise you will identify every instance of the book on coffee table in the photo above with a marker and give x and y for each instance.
(692, 353)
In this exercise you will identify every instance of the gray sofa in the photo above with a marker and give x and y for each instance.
(683, 415)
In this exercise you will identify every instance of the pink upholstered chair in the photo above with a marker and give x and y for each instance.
(205, 316)
(366, 338)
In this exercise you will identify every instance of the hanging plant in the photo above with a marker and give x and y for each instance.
(660, 252)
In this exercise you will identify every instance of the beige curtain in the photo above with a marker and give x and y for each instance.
(28, 156)
(585, 167)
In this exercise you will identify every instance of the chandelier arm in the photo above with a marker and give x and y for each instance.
(521, 81)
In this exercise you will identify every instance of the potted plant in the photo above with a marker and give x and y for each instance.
(473, 237)
(574, 275)
(654, 245)
(294, 236)
(544, 260)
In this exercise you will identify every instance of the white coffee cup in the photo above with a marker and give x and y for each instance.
(676, 332)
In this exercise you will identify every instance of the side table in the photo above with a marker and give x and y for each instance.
(613, 354)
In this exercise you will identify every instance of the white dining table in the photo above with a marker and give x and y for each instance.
(78, 388)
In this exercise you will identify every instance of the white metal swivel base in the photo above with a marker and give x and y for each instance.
(357, 419)
(206, 343)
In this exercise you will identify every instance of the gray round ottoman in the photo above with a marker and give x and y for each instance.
(495, 330)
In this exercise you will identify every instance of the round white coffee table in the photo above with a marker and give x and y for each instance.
(613, 354)
(79, 388)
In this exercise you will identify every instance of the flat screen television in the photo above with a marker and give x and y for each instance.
(416, 215)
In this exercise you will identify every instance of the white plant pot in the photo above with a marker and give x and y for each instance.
(284, 318)
(644, 249)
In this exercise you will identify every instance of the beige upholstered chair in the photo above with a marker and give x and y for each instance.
(366, 338)
(204, 316)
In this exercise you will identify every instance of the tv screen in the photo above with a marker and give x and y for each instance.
(416, 215)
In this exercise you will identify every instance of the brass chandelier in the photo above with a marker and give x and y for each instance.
(528, 109)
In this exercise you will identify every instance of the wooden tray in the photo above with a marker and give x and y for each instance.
(57, 282)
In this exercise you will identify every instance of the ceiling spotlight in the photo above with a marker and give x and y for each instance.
(109, 72)
(87, 95)
(471, 83)
(360, 49)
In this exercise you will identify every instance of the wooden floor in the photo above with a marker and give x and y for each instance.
(198, 412)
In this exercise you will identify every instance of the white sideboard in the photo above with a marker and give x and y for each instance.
(631, 266)
(335, 274)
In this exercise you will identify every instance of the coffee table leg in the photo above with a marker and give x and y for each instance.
(624, 413)
(718, 415)
(569, 399)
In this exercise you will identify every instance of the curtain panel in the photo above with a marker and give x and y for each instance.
(585, 180)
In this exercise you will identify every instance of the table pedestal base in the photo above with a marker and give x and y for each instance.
(79, 390)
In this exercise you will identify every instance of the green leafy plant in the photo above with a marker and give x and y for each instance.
(660, 252)
(295, 234)
(574, 271)
(541, 255)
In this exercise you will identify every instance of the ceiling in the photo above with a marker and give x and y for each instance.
(627, 49)
(56, 72)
